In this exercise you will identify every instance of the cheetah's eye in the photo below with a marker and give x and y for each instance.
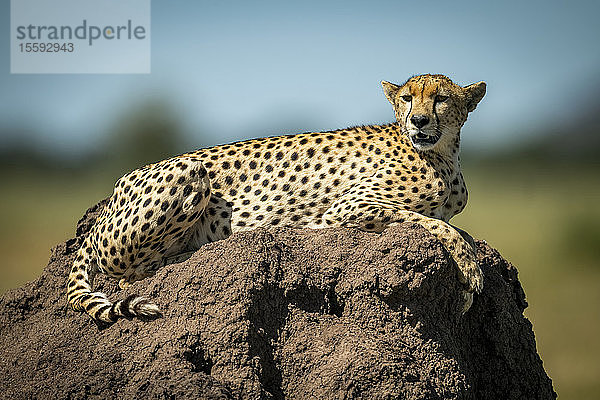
(407, 98)
(440, 99)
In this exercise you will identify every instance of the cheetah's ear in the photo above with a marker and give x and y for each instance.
(474, 93)
(390, 91)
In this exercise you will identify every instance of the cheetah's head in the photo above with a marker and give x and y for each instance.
(431, 109)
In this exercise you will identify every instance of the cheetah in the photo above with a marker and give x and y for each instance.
(367, 177)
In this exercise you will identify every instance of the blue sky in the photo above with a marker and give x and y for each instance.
(234, 70)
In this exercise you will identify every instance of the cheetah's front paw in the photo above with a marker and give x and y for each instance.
(471, 277)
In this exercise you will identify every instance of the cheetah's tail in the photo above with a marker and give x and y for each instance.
(96, 304)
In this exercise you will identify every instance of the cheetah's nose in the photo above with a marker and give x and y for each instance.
(419, 120)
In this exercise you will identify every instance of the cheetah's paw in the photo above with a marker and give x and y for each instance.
(124, 283)
(471, 277)
(467, 301)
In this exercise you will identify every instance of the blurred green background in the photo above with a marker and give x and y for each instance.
(225, 71)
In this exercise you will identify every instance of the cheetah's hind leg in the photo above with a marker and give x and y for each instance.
(150, 210)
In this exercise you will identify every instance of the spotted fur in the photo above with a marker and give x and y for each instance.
(367, 177)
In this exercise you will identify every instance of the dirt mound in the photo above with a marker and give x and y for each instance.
(286, 313)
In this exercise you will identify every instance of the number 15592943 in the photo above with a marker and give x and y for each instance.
(46, 47)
